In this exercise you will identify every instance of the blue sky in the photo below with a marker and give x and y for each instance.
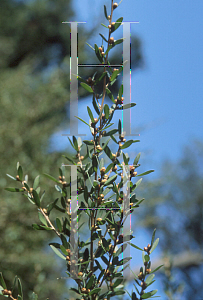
(169, 89)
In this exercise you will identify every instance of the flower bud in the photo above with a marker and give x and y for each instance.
(111, 40)
(6, 292)
(99, 219)
(115, 5)
(103, 169)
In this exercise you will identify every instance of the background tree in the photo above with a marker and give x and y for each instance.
(175, 202)
(34, 91)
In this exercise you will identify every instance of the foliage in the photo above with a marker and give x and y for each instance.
(94, 184)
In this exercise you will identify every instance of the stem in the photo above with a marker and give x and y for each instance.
(48, 220)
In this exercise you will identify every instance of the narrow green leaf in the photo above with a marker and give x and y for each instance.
(50, 177)
(14, 190)
(20, 290)
(90, 282)
(157, 269)
(110, 95)
(82, 120)
(111, 132)
(95, 291)
(127, 144)
(154, 245)
(145, 173)
(149, 279)
(108, 49)
(34, 296)
(117, 282)
(117, 24)
(90, 46)
(105, 12)
(110, 180)
(57, 252)
(36, 182)
(58, 224)
(95, 105)
(3, 284)
(90, 114)
(103, 37)
(11, 177)
(20, 173)
(104, 146)
(42, 218)
(119, 126)
(136, 160)
(118, 41)
(106, 111)
(128, 105)
(36, 198)
(58, 188)
(114, 75)
(149, 294)
(135, 246)
(104, 25)
(153, 237)
(87, 87)
(98, 54)
(120, 92)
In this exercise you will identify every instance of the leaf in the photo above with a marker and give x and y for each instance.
(154, 245)
(113, 28)
(117, 282)
(58, 188)
(11, 177)
(136, 160)
(14, 190)
(105, 12)
(34, 296)
(104, 25)
(58, 223)
(90, 114)
(120, 92)
(149, 279)
(145, 173)
(129, 105)
(111, 132)
(50, 177)
(119, 126)
(95, 291)
(51, 206)
(118, 42)
(36, 198)
(42, 218)
(36, 182)
(135, 246)
(157, 269)
(82, 120)
(103, 37)
(20, 173)
(110, 95)
(98, 54)
(106, 111)
(87, 87)
(57, 252)
(108, 49)
(110, 180)
(90, 282)
(95, 105)
(20, 290)
(153, 237)
(149, 294)
(3, 284)
(104, 146)
(90, 46)
(127, 144)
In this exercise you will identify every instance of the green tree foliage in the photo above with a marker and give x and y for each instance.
(32, 107)
(175, 202)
